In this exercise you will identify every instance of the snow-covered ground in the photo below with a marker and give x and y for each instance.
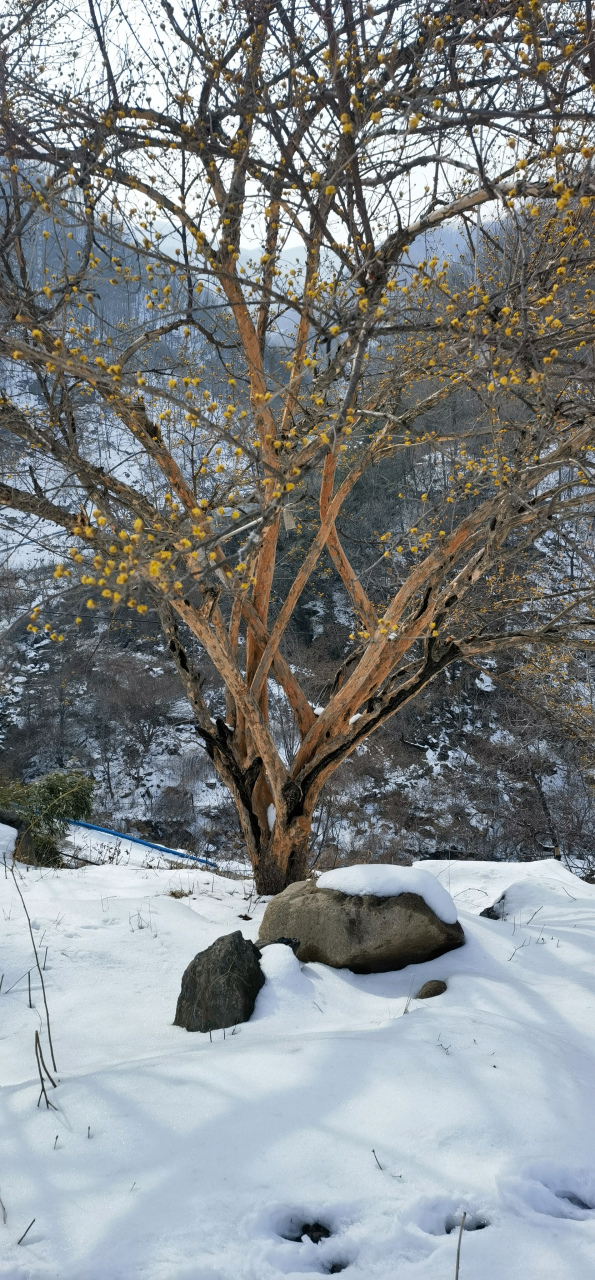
(344, 1101)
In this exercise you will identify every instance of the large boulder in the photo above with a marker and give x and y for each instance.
(220, 986)
(365, 932)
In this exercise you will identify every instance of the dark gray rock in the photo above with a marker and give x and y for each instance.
(285, 942)
(497, 910)
(364, 933)
(435, 987)
(220, 986)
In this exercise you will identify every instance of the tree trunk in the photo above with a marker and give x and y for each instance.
(552, 832)
(279, 856)
(282, 859)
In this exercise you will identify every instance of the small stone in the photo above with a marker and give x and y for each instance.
(220, 986)
(315, 1231)
(497, 909)
(435, 987)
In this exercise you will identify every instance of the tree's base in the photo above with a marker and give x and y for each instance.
(279, 865)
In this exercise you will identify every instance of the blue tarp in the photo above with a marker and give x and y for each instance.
(122, 835)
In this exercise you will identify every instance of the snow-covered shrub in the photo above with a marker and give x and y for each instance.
(41, 811)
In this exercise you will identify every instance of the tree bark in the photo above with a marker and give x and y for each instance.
(282, 858)
(551, 826)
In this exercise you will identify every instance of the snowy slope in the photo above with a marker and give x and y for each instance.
(203, 1156)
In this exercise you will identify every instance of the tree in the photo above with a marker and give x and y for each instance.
(214, 306)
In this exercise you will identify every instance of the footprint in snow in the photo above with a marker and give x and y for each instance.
(302, 1240)
(559, 1190)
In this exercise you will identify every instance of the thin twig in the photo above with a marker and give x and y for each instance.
(459, 1245)
(383, 1170)
(15, 984)
(520, 948)
(40, 1052)
(47, 1012)
(25, 1232)
(42, 1092)
(3, 1212)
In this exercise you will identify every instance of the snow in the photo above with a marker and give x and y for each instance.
(343, 1101)
(477, 885)
(387, 881)
(271, 816)
(8, 836)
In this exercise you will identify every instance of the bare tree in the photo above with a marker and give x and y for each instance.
(229, 281)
